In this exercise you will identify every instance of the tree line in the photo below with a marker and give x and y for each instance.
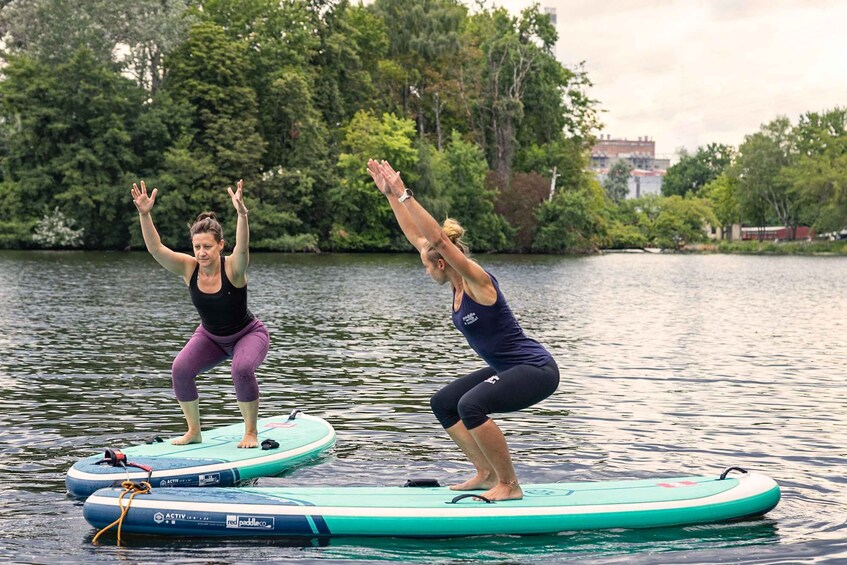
(294, 96)
(784, 174)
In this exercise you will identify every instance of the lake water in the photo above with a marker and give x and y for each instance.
(671, 365)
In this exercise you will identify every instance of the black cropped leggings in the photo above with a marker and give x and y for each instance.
(473, 397)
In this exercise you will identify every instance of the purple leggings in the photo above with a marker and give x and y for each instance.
(205, 350)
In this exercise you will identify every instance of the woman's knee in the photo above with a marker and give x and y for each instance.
(244, 380)
(182, 370)
(471, 412)
(444, 408)
(182, 379)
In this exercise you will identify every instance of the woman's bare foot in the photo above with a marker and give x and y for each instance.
(250, 439)
(480, 482)
(504, 491)
(189, 437)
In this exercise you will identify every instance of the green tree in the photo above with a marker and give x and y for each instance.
(429, 190)
(617, 181)
(637, 213)
(423, 38)
(566, 157)
(573, 221)
(207, 74)
(353, 44)
(150, 30)
(513, 49)
(52, 31)
(68, 130)
(761, 159)
(722, 193)
(362, 218)
(682, 221)
(624, 236)
(471, 202)
(275, 39)
(297, 168)
(693, 172)
(819, 176)
(135, 35)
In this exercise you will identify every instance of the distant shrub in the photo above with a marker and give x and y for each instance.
(56, 231)
(306, 242)
(622, 236)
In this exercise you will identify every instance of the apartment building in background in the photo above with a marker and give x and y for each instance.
(640, 153)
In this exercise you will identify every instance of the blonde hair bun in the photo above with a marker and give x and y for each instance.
(454, 232)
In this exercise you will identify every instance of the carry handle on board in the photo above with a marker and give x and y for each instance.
(725, 473)
(469, 495)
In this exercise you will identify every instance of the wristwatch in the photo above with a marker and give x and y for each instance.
(406, 195)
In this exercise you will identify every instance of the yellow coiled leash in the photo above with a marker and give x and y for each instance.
(129, 487)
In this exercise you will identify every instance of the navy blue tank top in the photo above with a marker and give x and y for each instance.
(223, 312)
(494, 333)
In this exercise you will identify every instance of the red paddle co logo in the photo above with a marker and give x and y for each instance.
(250, 522)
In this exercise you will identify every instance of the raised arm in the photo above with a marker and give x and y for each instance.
(428, 227)
(407, 224)
(240, 257)
(177, 263)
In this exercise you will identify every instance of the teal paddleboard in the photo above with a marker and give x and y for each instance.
(436, 511)
(216, 462)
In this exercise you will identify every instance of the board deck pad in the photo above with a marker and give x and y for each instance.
(434, 511)
(217, 461)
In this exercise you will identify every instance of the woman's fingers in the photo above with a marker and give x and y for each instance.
(141, 199)
(239, 186)
(387, 168)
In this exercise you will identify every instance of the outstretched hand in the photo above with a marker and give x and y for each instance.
(379, 179)
(392, 178)
(142, 201)
(386, 178)
(238, 198)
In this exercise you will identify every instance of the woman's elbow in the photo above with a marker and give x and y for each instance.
(439, 242)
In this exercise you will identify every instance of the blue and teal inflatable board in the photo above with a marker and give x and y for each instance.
(216, 462)
(435, 511)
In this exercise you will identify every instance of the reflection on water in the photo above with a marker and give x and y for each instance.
(670, 365)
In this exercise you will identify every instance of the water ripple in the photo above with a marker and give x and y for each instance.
(670, 365)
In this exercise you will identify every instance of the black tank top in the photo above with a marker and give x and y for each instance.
(223, 312)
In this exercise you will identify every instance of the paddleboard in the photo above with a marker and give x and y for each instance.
(435, 511)
(216, 462)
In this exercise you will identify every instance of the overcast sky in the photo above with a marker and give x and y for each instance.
(691, 72)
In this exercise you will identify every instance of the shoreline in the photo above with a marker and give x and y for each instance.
(817, 248)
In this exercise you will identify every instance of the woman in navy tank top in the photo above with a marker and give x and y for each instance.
(218, 288)
(519, 371)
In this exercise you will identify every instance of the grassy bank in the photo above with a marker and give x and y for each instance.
(772, 248)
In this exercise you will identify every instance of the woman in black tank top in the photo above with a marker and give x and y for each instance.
(218, 289)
